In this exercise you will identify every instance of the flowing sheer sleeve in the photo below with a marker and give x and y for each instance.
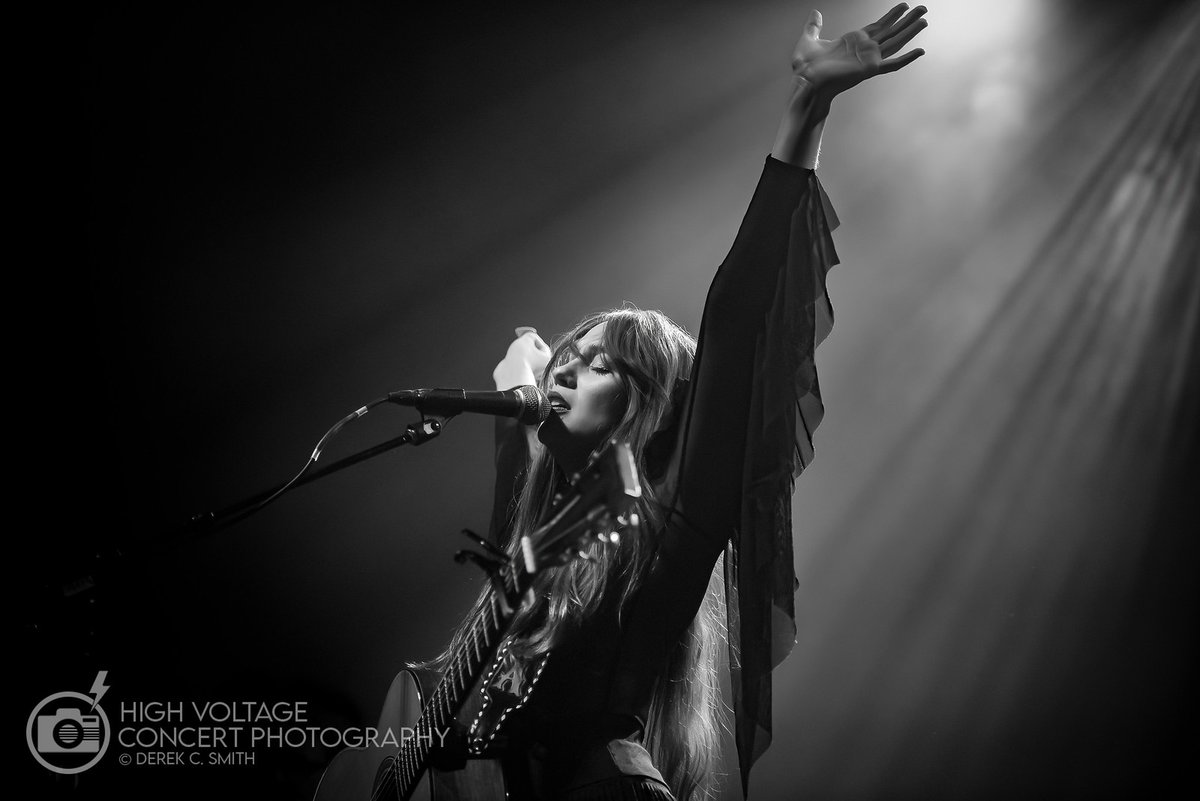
(746, 433)
(512, 457)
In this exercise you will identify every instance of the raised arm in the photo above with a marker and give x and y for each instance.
(516, 443)
(824, 68)
(753, 382)
(762, 308)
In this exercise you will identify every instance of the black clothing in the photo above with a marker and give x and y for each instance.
(746, 429)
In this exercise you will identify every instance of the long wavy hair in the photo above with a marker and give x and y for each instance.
(652, 357)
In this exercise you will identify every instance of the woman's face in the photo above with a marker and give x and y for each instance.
(585, 392)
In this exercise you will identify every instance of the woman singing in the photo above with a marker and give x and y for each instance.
(626, 705)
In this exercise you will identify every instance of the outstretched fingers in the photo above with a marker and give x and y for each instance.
(893, 64)
(901, 33)
(888, 19)
(812, 27)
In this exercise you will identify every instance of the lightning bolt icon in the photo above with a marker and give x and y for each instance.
(99, 688)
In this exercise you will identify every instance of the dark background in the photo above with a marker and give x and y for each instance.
(249, 223)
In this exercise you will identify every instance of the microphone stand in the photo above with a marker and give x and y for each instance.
(67, 609)
(209, 522)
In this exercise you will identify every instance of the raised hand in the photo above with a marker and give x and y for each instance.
(834, 65)
(824, 68)
(524, 362)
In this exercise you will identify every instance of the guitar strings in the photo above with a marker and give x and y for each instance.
(405, 767)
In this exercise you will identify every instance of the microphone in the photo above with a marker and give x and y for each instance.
(526, 403)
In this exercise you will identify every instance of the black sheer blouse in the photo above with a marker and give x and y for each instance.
(746, 428)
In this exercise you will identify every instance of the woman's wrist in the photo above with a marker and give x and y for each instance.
(808, 154)
(798, 140)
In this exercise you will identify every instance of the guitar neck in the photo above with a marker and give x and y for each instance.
(483, 637)
(603, 490)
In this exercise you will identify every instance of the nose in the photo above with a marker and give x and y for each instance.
(564, 374)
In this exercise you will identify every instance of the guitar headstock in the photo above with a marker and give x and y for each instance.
(601, 501)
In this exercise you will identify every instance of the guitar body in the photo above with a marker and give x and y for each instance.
(352, 773)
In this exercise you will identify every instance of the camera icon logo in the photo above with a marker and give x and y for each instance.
(68, 732)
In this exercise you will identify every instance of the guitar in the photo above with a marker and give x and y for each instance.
(598, 504)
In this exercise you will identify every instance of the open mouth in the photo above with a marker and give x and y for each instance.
(557, 404)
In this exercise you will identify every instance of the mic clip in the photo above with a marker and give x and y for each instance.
(428, 428)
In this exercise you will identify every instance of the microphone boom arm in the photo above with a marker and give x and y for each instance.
(415, 434)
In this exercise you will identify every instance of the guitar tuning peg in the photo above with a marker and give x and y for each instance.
(492, 550)
(487, 564)
(610, 537)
